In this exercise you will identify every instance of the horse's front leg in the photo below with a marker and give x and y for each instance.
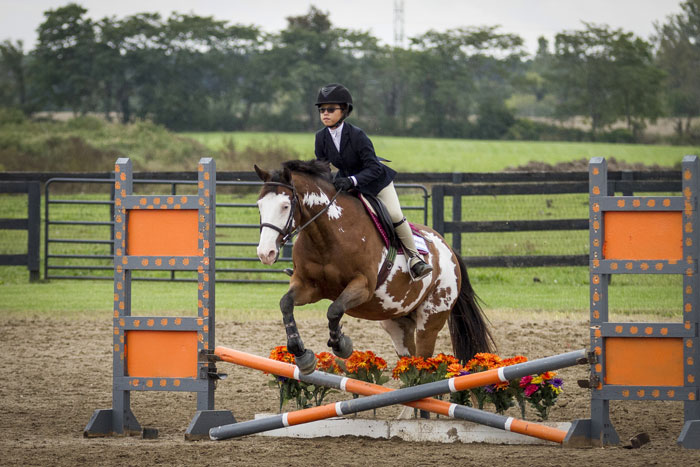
(305, 358)
(356, 293)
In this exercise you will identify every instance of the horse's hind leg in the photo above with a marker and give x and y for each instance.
(356, 293)
(402, 332)
(431, 319)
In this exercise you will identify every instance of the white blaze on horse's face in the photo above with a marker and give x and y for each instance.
(274, 209)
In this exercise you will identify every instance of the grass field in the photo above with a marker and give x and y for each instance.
(457, 155)
(559, 290)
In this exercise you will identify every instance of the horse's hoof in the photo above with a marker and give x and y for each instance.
(307, 362)
(344, 349)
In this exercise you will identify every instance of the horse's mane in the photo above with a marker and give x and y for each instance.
(315, 168)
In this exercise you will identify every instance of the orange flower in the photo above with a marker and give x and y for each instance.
(514, 360)
(483, 361)
(421, 364)
(325, 361)
(364, 360)
(402, 366)
(455, 369)
(281, 354)
(441, 358)
(547, 375)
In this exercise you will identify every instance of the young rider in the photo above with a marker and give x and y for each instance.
(350, 150)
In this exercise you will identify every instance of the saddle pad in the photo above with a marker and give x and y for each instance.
(421, 246)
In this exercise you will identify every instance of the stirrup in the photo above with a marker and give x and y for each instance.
(419, 270)
(288, 271)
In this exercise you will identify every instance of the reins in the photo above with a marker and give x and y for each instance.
(287, 233)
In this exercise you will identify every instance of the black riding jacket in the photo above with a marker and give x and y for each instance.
(356, 158)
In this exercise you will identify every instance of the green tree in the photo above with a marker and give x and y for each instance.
(605, 75)
(65, 59)
(678, 54)
(127, 59)
(455, 72)
(309, 53)
(12, 62)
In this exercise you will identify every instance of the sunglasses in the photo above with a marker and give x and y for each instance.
(329, 110)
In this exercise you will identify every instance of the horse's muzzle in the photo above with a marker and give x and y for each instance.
(268, 256)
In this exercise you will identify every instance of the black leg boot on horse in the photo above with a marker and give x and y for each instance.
(356, 293)
(305, 358)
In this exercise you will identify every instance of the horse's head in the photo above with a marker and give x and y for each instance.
(281, 206)
(276, 205)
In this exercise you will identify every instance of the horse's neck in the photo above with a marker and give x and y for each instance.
(325, 231)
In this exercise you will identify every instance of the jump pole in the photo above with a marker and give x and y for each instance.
(363, 388)
(391, 397)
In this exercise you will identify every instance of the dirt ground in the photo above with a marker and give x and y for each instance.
(56, 372)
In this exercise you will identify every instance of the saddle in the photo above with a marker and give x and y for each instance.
(382, 221)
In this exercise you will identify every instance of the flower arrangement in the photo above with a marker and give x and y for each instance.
(542, 391)
(539, 391)
(303, 393)
(412, 371)
(365, 366)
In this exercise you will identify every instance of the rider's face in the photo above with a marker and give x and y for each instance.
(327, 117)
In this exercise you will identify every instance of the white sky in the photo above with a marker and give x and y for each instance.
(530, 19)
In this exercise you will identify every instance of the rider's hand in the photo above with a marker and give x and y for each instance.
(343, 184)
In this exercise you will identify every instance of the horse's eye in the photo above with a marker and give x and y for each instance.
(285, 207)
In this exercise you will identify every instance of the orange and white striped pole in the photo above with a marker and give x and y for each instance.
(419, 397)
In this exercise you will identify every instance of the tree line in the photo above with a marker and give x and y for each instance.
(189, 72)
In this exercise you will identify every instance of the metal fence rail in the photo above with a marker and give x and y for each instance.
(231, 254)
(31, 224)
(553, 184)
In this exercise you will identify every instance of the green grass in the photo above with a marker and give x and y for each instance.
(562, 290)
(458, 155)
(551, 290)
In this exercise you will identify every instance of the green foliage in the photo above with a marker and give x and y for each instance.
(679, 56)
(411, 154)
(90, 144)
(606, 75)
(194, 73)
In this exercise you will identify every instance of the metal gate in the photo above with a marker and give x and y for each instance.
(79, 230)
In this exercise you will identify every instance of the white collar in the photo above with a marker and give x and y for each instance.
(337, 130)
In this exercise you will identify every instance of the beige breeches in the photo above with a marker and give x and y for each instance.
(390, 199)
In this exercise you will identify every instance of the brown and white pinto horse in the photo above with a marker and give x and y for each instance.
(337, 256)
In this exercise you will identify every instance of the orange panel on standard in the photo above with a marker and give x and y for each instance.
(167, 232)
(161, 354)
(644, 361)
(652, 235)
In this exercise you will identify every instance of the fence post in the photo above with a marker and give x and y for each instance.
(438, 195)
(457, 217)
(33, 230)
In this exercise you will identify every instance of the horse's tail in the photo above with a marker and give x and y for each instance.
(468, 326)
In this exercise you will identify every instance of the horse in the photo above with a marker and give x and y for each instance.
(337, 256)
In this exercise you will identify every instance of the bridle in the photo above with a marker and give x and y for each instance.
(288, 232)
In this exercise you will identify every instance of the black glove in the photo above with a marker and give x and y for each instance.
(343, 184)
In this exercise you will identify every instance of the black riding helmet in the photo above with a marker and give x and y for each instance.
(335, 94)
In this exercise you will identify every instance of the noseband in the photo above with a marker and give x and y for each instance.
(288, 232)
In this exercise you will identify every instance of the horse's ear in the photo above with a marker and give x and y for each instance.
(287, 175)
(264, 176)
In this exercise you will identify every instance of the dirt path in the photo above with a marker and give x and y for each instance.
(56, 372)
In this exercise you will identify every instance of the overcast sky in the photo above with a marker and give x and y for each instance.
(530, 19)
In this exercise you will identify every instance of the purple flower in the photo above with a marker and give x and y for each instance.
(557, 382)
(490, 388)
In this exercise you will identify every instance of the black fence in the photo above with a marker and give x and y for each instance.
(546, 189)
(507, 219)
(79, 245)
(31, 224)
